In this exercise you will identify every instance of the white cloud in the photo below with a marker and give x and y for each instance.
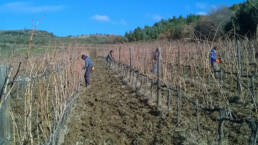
(156, 17)
(25, 7)
(101, 18)
(201, 13)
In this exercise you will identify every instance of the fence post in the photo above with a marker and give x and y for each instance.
(126, 71)
(221, 75)
(145, 82)
(142, 79)
(158, 77)
(254, 129)
(178, 104)
(135, 78)
(178, 59)
(151, 89)
(197, 115)
(132, 71)
(239, 68)
(168, 99)
(123, 71)
(239, 58)
(119, 52)
(3, 77)
(252, 89)
(5, 123)
(221, 125)
(130, 52)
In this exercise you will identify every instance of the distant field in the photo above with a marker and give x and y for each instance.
(7, 50)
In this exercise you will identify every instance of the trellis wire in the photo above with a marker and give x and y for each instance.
(221, 111)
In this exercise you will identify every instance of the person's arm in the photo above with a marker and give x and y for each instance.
(213, 56)
(111, 57)
(86, 63)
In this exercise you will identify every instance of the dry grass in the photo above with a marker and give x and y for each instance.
(40, 96)
(186, 65)
(47, 81)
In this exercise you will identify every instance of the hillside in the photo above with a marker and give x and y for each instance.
(23, 36)
(238, 20)
(44, 37)
(13, 42)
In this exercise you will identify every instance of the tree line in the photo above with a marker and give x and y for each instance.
(239, 20)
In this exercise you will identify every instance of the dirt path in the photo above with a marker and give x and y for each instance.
(109, 113)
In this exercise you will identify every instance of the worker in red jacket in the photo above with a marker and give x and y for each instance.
(214, 61)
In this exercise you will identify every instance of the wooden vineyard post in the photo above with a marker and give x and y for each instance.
(221, 76)
(130, 52)
(151, 89)
(168, 99)
(178, 104)
(197, 115)
(127, 72)
(221, 125)
(209, 79)
(124, 71)
(5, 123)
(141, 84)
(145, 82)
(254, 99)
(132, 77)
(253, 54)
(119, 67)
(239, 58)
(119, 55)
(178, 60)
(136, 76)
(239, 68)
(254, 129)
(3, 78)
(158, 77)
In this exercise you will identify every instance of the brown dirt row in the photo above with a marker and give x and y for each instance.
(110, 113)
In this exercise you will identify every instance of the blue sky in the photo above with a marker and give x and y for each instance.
(75, 17)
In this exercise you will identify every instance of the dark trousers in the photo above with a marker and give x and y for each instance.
(87, 76)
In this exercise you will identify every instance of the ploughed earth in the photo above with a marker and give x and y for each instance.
(111, 113)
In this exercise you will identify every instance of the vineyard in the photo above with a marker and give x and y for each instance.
(187, 103)
(37, 94)
(185, 84)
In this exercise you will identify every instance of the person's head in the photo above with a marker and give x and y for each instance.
(111, 51)
(84, 57)
(215, 47)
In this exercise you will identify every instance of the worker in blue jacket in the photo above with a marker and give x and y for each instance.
(109, 58)
(214, 61)
(88, 69)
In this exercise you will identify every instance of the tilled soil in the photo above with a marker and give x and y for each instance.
(110, 113)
